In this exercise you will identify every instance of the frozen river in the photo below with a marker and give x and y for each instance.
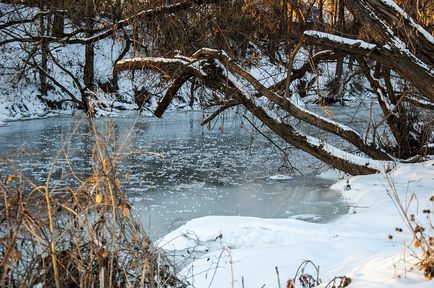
(221, 171)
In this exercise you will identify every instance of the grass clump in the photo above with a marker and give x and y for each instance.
(77, 235)
(419, 222)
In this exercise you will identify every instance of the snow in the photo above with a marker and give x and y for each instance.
(152, 60)
(20, 97)
(355, 245)
(210, 51)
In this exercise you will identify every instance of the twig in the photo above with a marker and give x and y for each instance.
(278, 277)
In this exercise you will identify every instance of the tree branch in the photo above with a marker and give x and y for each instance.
(171, 92)
(399, 58)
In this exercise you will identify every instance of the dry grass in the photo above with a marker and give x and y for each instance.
(419, 221)
(77, 236)
(307, 276)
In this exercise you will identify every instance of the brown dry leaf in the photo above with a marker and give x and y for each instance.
(98, 198)
(133, 265)
(92, 180)
(146, 244)
(104, 253)
(125, 212)
(328, 112)
(104, 164)
(290, 284)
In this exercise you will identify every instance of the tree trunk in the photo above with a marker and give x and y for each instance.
(58, 26)
(89, 52)
(300, 141)
(43, 85)
(340, 64)
(89, 71)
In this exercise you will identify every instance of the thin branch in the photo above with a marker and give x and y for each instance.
(58, 84)
(221, 109)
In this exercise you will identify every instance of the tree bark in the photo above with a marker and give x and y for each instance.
(89, 71)
(43, 85)
(171, 92)
(89, 51)
(338, 90)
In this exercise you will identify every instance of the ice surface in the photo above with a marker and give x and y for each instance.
(180, 170)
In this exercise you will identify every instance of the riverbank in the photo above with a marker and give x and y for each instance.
(365, 244)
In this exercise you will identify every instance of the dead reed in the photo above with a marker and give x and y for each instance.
(80, 235)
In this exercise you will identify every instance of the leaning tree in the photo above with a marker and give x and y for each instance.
(381, 40)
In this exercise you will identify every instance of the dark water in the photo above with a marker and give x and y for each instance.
(178, 170)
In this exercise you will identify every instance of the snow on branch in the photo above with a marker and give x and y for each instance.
(398, 10)
(139, 63)
(381, 166)
(394, 53)
(420, 102)
(343, 131)
(392, 44)
(354, 43)
(161, 64)
(336, 157)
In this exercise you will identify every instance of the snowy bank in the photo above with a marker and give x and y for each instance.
(246, 250)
